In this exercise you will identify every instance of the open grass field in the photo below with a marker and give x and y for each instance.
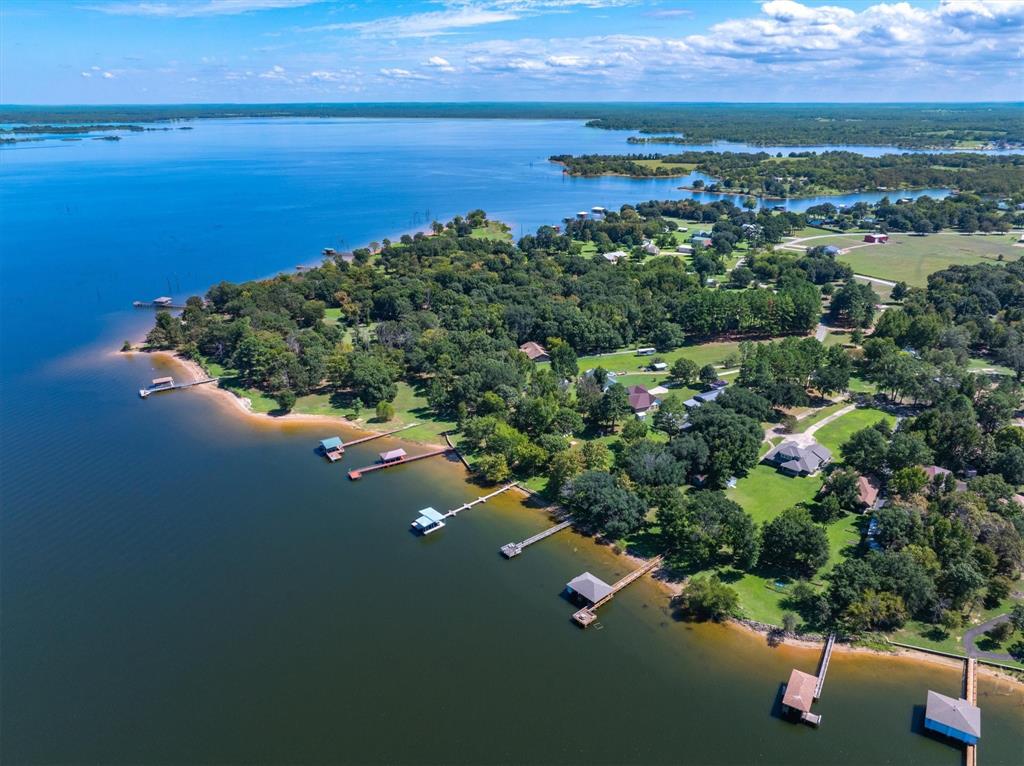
(682, 168)
(838, 431)
(493, 230)
(908, 258)
(627, 360)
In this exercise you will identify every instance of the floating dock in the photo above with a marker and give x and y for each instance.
(162, 302)
(588, 614)
(511, 550)
(333, 448)
(431, 520)
(357, 473)
(168, 384)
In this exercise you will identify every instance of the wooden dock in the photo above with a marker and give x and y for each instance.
(971, 695)
(482, 499)
(451, 444)
(826, 656)
(144, 392)
(357, 473)
(335, 454)
(510, 550)
(588, 614)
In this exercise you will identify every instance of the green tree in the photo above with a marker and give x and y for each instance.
(385, 411)
(875, 610)
(562, 467)
(793, 542)
(612, 407)
(634, 430)
(285, 400)
(563, 359)
(684, 371)
(670, 415)
(597, 501)
(698, 529)
(494, 468)
(706, 597)
(865, 451)
(708, 374)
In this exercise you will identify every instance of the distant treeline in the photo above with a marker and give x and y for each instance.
(904, 125)
(920, 126)
(805, 173)
(73, 129)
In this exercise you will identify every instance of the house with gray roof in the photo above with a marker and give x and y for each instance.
(793, 459)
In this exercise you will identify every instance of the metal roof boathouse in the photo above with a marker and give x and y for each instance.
(954, 718)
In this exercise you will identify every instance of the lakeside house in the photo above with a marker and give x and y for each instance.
(954, 718)
(697, 239)
(598, 213)
(650, 248)
(641, 400)
(588, 588)
(615, 256)
(535, 351)
(876, 239)
(831, 250)
(684, 249)
(792, 459)
(657, 366)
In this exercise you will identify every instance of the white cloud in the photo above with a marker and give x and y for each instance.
(86, 74)
(440, 64)
(108, 76)
(276, 72)
(189, 8)
(395, 73)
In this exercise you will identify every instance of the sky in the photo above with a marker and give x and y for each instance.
(273, 51)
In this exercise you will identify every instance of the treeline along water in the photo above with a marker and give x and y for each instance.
(180, 585)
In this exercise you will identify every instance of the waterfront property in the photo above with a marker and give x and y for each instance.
(954, 718)
(793, 459)
(511, 550)
(588, 588)
(803, 689)
(428, 521)
(395, 457)
(168, 384)
(392, 455)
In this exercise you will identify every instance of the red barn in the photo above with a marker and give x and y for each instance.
(876, 239)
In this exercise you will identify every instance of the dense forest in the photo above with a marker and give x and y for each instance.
(904, 125)
(808, 173)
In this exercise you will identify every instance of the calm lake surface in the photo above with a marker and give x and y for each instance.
(183, 586)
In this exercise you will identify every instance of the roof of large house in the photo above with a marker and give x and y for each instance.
(867, 489)
(957, 714)
(640, 398)
(793, 457)
(709, 396)
(533, 350)
(934, 470)
(615, 255)
(591, 588)
(800, 691)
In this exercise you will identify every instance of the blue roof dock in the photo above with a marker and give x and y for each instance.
(430, 520)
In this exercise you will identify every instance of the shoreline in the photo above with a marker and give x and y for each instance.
(239, 407)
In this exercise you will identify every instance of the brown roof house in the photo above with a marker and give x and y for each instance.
(867, 491)
(641, 400)
(535, 351)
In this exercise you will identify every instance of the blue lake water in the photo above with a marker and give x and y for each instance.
(179, 586)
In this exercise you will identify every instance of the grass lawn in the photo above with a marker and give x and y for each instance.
(764, 492)
(834, 338)
(805, 423)
(627, 361)
(332, 316)
(990, 367)
(911, 259)
(493, 230)
(682, 168)
(838, 431)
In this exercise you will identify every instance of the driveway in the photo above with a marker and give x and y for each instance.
(972, 634)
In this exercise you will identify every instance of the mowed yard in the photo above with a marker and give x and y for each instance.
(910, 258)
(764, 493)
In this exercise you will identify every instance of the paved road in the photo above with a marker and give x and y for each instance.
(972, 634)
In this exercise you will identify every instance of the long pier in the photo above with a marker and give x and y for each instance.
(144, 392)
(335, 454)
(357, 473)
(585, 616)
(510, 550)
(826, 655)
(971, 695)
(482, 499)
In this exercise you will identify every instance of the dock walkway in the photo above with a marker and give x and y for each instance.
(335, 453)
(510, 550)
(482, 499)
(826, 656)
(357, 473)
(585, 616)
(971, 695)
(144, 392)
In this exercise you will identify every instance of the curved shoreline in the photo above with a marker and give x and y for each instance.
(229, 401)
